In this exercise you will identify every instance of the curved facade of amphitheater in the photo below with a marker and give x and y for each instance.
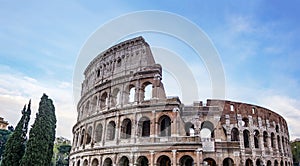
(125, 118)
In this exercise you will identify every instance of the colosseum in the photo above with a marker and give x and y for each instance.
(126, 119)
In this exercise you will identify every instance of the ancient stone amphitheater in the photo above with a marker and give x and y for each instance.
(125, 118)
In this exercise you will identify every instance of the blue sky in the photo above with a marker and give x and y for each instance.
(258, 43)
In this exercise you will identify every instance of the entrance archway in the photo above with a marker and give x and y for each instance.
(210, 162)
(163, 161)
(142, 161)
(186, 161)
(228, 162)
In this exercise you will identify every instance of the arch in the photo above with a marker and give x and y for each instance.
(277, 129)
(258, 162)
(265, 138)
(147, 91)
(88, 135)
(124, 161)
(256, 139)
(82, 137)
(163, 161)
(87, 106)
(78, 163)
(245, 122)
(85, 163)
(165, 126)
(246, 136)
(275, 163)
(286, 163)
(126, 129)
(228, 162)
(103, 100)
(111, 129)
(98, 132)
(249, 162)
(272, 140)
(207, 129)
(116, 97)
(235, 134)
(131, 93)
(144, 127)
(210, 161)
(95, 162)
(278, 143)
(107, 162)
(281, 163)
(186, 161)
(142, 161)
(94, 103)
(189, 129)
(269, 163)
(283, 147)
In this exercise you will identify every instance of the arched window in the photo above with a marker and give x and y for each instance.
(103, 100)
(111, 127)
(210, 161)
(246, 136)
(124, 161)
(275, 163)
(249, 162)
(88, 135)
(126, 128)
(144, 127)
(107, 162)
(85, 163)
(278, 143)
(186, 161)
(245, 122)
(265, 139)
(95, 162)
(272, 140)
(163, 161)
(207, 130)
(82, 137)
(142, 161)
(98, 132)
(131, 93)
(259, 162)
(78, 163)
(165, 126)
(228, 162)
(277, 129)
(148, 91)
(189, 129)
(116, 97)
(235, 134)
(283, 147)
(256, 138)
(269, 163)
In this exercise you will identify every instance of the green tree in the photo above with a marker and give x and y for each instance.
(39, 148)
(15, 145)
(4, 135)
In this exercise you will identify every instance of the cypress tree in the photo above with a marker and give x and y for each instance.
(15, 145)
(39, 148)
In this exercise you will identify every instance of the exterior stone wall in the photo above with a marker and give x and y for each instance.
(118, 124)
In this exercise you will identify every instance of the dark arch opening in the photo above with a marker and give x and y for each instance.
(189, 129)
(210, 161)
(258, 162)
(269, 163)
(163, 161)
(124, 161)
(111, 127)
(228, 162)
(165, 126)
(246, 135)
(249, 162)
(256, 138)
(144, 127)
(186, 161)
(142, 161)
(95, 162)
(88, 135)
(107, 162)
(98, 132)
(126, 129)
(235, 134)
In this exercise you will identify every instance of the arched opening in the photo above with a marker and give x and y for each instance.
(163, 161)
(147, 91)
(186, 161)
(246, 135)
(88, 135)
(103, 100)
(256, 138)
(249, 162)
(228, 162)
(142, 161)
(111, 127)
(245, 122)
(265, 139)
(94, 103)
(78, 163)
(165, 126)
(235, 134)
(258, 162)
(144, 127)
(95, 162)
(126, 129)
(283, 147)
(277, 129)
(269, 163)
(286, 163)
(124, 161)
(82, 137)
(278, 143)
(98, 132)
(275, 163)
(85, 163)
(116, 97)
(189, 129)
(209, 161)
(107, 162)
(272, 140)
(131, 93)
(281, 163)
(207, 130)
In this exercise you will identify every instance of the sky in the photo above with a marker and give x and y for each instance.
(257, 43)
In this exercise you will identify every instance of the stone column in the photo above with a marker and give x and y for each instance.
(174, 160)
(104, 132)
(117, 129)
(152, 158)
(198, 157)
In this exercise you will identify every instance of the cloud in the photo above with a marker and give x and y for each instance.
(16, 89)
